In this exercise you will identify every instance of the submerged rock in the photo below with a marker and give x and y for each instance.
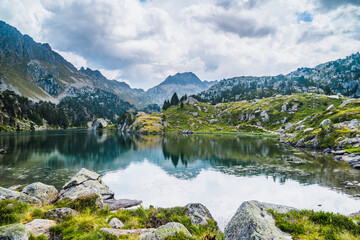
(59, 214)
(40, 226)
(83, 183)
(198, 213)
(21, 197)
(45, 193)
(14, 232)
(252, 221)
(169, 229)
(115, 204)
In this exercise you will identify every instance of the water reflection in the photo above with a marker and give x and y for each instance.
(53, 156)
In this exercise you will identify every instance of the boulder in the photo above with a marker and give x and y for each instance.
(198, 213)
(83, 183)
(213, 121)
(167, 230)
(116, 223)
(191, 100)
(115, 204)
(88, 201)
(45, 193)
(120, 232)
(2, 151)
(102, 123)
(325, 123)
(21, 197)
(308, 130)
(252, 221)
(14, 232)
(40, 226)
(59, 214)
(330, 107)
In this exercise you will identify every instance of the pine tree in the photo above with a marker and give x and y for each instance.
(174, 100)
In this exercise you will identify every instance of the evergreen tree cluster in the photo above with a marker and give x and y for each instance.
(174, 101)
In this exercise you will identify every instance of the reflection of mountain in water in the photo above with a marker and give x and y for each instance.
(54, 156)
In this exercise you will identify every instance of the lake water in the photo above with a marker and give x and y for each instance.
(220, 171)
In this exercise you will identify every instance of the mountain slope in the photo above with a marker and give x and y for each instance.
(340, 76)
(181, 83)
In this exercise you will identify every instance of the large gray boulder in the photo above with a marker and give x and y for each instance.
(169, 229)
(59, 214)
(115, 204)
(252, 221)
(14, 232)
(45, 193)
(40, 226)
(21, 197)
(198, 213)
(116, 223)
(83, 183)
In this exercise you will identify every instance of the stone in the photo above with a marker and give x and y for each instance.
(253, 221)
(116, 223)
(99, 123)
(299, 128)
(14, 232)
(40, 226)
(191, 100)
(264, 116)
(80, 177)
(195, 114)
(167, 230)
(83, 183)
(115, 204)
(59, 214)
(119, 232)
(2, 151)
(198, 214)
(308, 130)
(330, 107)
(325, 123)
(21, 197)
(213, 121)
(45, 193)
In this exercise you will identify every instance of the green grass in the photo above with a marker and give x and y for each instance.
(88, 223)
(308, 224)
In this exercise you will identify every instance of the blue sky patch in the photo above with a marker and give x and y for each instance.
(304, 17)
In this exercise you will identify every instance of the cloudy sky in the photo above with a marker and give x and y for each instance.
(143, 41)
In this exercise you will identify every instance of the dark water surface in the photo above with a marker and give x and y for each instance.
(219, 171)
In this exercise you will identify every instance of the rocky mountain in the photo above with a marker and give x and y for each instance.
(35, 71)
(341, 76)
(181, 83)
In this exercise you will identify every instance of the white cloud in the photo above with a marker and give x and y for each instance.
(145, 42)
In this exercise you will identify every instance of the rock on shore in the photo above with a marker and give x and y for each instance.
(252, 221)
(21, 197)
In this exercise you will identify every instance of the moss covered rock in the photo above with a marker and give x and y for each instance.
(40, 227)
(198, 213)
(14, 232)
(169, 229)
(253, 221)
(45, 193)
(21, 197)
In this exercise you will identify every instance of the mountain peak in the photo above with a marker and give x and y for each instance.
(186, 78)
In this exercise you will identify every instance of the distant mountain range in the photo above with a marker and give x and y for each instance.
(336, 77)
(35, 71)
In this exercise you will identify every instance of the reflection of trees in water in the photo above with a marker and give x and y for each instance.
(226, 150)
(103, 151)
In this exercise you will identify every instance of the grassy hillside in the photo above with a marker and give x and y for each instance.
(302, 119)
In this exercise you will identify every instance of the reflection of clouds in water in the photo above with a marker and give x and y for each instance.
(221, 193)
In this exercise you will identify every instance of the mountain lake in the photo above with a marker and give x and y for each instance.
(220, 171)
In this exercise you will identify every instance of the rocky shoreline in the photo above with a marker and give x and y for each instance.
(252, 220)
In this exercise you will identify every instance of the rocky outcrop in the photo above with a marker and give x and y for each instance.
(14, 232)
(115, 204)
(59, 214)
(198, 214)
(116, 223)
(252, 221)
(99, 123)
(83, 183)
(40, 226)
(21, 197)
(169, 229)
(45, 193)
